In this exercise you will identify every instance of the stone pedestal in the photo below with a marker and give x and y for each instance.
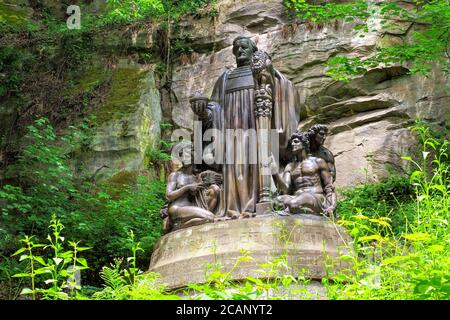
(182, 256)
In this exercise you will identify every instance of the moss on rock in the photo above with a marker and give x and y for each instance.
(91, 78)
(124, 94)
(14, 15)
(124, 178)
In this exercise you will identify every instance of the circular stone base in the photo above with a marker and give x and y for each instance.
(182, 257)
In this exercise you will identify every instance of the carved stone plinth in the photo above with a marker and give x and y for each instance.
(181, 257)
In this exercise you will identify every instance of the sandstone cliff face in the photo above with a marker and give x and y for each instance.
(128, 121)
(112, 83)
(368, 117)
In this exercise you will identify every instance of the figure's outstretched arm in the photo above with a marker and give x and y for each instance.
(283, 180)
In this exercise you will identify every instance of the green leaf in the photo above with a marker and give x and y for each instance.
(436, 248)
(375, 237)
(39, 260)
(83, 262)
(50, 281)
(42, 270)
(345, 257)
(18, 251)
(24, 257)
(26, 291)
(417, 237)
(22, 275)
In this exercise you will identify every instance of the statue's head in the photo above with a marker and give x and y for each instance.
(243, 49)
(298, 142)
(318, 133)
(183, 152)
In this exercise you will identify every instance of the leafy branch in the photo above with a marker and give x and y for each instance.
(425, 41)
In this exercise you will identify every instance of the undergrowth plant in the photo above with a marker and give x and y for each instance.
(57, 272)
(42, 181)
(412, 263)
(130, 283)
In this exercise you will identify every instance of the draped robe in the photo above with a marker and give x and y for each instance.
(235, 110)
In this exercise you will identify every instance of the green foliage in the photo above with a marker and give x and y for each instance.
(146, 286)
(130, 283)
(329, 11)
(125, 208)
(219, 285)
(399, 228)
(177, 8)
(128, 11)
(15, 18)
(427, 44)
(13, 65)
(160, 154)
(57, 271)
(275, 280)
(42, 181)
(392, 199)
(131, 11)
(413, 262)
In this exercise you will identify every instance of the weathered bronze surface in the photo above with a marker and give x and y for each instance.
(306, 182)
(318, 134)
(239, 180)
(191, 198)
(280, 177)
(254, 96)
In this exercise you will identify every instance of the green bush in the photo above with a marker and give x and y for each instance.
(13, 63)
(393, 198)
(127, 11)
(42, 182)
(411, 262)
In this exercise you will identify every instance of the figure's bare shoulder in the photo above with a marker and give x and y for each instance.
(321, 162)
(173, 176)
(328, 155)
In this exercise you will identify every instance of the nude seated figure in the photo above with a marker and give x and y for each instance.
(191, 198)
(306, 183)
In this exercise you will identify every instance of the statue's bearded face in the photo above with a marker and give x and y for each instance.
(243, 52)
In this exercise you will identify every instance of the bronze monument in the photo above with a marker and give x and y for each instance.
(306, 183)
(240, 177)
(253, 96)
(258, 166)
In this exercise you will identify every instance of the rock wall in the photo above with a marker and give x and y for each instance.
(128, 121)
(368, 117)
(111, 81)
